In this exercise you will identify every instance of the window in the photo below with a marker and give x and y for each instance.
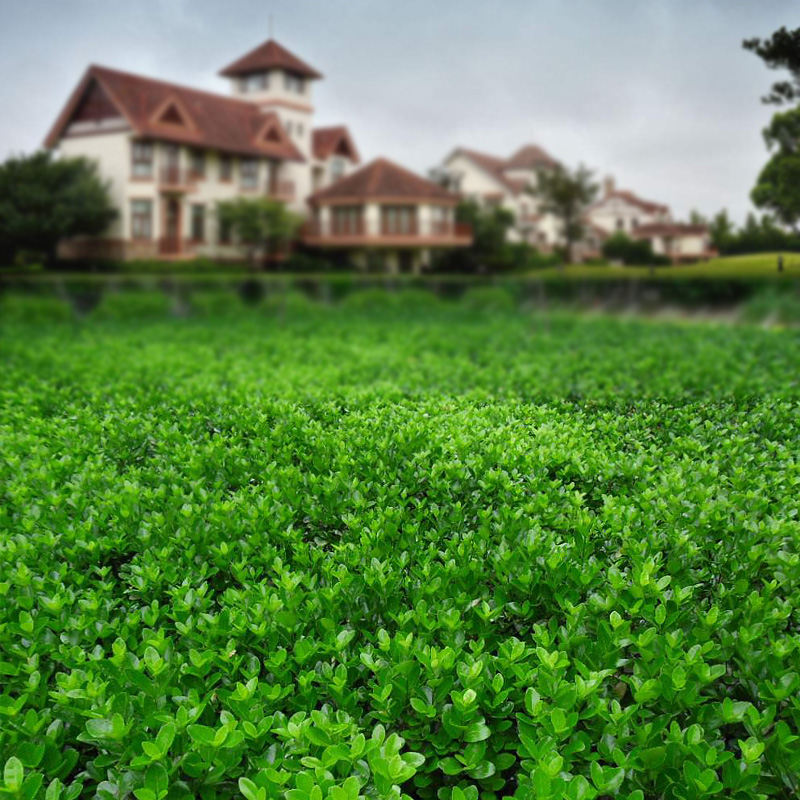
(337, 168)
(293, 83)
(141, 219)
(256, 82)
(198, 223)
(346, 220)
(620, 224)
(299, 131)
(197, 163)
(225, 232)
(142, 159)
(225, 168)
(249, 173)
(635, 222)
(289, 127)
(439, 219)
(399, 220)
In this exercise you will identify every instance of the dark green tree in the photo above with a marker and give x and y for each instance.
(566, 194)
(490, 249)
(722, 231)
(777, 189)
(780, 51)
(44, 200)
(632, 252)
(261, 226)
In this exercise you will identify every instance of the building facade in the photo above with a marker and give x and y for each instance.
(507, 183)
(622, 211)
(385, 215)
(170, 153)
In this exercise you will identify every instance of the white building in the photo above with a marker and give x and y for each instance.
(385, 212)
(621, 211)
(171, 153)
(508, 183)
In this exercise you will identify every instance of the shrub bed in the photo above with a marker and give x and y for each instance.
(347, 555)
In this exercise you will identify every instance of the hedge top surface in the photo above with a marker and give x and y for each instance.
(365, 553)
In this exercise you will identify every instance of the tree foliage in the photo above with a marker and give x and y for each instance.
(260, 225)
(633, 252)
(780, 51)
(566, 194)
(44, 200)
(778, 186)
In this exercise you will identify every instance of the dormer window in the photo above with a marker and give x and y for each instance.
(293, 83)
(337, 168)
(257, 82)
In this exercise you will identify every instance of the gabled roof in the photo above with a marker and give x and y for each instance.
(669, 229)
(326, 142)
(527, 157)
(530, 156)
(383, 179)
(166, 111)
(269, 55)
(634, 200)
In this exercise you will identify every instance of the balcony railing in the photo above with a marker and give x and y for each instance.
(171, 246)
(396, 231)
(281, 190)
(177, 179)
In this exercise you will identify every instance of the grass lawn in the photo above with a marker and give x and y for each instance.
(763, 265)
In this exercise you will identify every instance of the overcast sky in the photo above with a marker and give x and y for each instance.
(657, 92)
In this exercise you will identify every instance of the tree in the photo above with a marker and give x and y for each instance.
(696, 218)
(722, 231)
(632, 252)
(260, 225)
(490, 249)
(780, 51)
(778, 186)
(44, 200)
(566, 195)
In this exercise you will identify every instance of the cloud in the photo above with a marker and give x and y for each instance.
(659, 93)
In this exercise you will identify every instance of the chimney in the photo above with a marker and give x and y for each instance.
(608, 186)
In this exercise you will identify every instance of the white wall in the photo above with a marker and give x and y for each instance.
(609, 211)
(111, 152)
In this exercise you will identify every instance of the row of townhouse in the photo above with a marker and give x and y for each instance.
(511, 183)
(170, 154)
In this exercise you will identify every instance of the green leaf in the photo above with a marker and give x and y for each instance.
(476, 732)
(203, 735)
(157, 780)
(250, 790)
(13, 773)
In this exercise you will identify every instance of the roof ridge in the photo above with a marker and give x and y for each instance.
(94, 68)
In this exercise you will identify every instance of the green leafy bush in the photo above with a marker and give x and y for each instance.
(354, 555)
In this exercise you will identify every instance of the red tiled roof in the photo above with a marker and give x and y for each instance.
(494, 166)
(269, 55)
(669, 229)
(382, 178)
(326, 140)
(530, 156)
(635, 200)
(212, 121)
